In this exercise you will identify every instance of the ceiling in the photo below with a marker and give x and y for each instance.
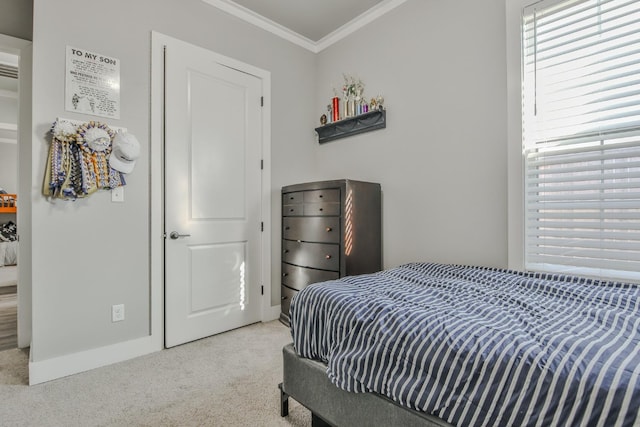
(311, 19)
(312, 24)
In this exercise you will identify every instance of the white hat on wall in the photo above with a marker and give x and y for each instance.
(125, 151)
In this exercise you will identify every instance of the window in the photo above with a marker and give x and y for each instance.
(581, 137)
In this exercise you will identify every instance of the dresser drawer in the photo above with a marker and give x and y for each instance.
(286, 295)
(324, 196)
(312, 229)
(315, 255)
(319, 209)
(293, 198)
(293, 210)
(299, 277)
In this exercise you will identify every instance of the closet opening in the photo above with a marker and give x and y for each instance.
(8, 200)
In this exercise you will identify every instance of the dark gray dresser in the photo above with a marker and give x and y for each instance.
(330, 229)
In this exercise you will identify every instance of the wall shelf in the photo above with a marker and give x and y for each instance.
(352, 126)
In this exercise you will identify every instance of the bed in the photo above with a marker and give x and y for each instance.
(8, 244)
(434, 344)
(8, 229)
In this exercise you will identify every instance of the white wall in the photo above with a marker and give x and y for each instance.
(8, 103)
(442, 160)
(90, 254)
(8, 150)
(9, 167)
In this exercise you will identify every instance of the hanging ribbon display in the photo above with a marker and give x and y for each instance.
(78, 162)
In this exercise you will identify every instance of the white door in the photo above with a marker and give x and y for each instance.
(212, 195)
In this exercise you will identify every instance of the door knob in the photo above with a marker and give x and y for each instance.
(175, 235)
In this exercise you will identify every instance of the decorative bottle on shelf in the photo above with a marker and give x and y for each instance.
(359, 95)
(345, 108)
(335, 102)
(352, 106)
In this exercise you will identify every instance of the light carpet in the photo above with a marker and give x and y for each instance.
(226, 380)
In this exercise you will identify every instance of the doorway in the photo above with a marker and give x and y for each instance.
(8, 200)
(214, 273)
(15, 138)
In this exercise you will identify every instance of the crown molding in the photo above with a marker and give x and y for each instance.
(357, 23)
(266, 24)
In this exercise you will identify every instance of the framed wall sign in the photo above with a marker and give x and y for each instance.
(92, 83)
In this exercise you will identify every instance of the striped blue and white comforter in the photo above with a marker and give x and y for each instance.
(478, 346)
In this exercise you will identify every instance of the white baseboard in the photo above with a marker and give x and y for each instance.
(58, 367)
(272, 313)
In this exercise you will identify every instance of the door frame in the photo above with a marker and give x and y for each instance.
(156, 201)
(24, 50)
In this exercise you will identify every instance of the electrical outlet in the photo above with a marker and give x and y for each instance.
(117, 313)
(117, 195)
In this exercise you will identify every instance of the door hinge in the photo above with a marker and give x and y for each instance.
(261, 164)
(262, 101)
(261, 226)
(261, 290)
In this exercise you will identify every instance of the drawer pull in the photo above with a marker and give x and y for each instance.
(327, 256)
(283, 298)
(321, 209)
(291, 210)
(287, 228)
(320, 196)
(285, 274)
(286, 251)
(329, 229)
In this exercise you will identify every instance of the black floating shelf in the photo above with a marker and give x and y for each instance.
(352, 126)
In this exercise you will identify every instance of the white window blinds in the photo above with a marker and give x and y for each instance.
(581, 133)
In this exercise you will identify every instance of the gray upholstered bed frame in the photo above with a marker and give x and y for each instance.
(306, 381)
